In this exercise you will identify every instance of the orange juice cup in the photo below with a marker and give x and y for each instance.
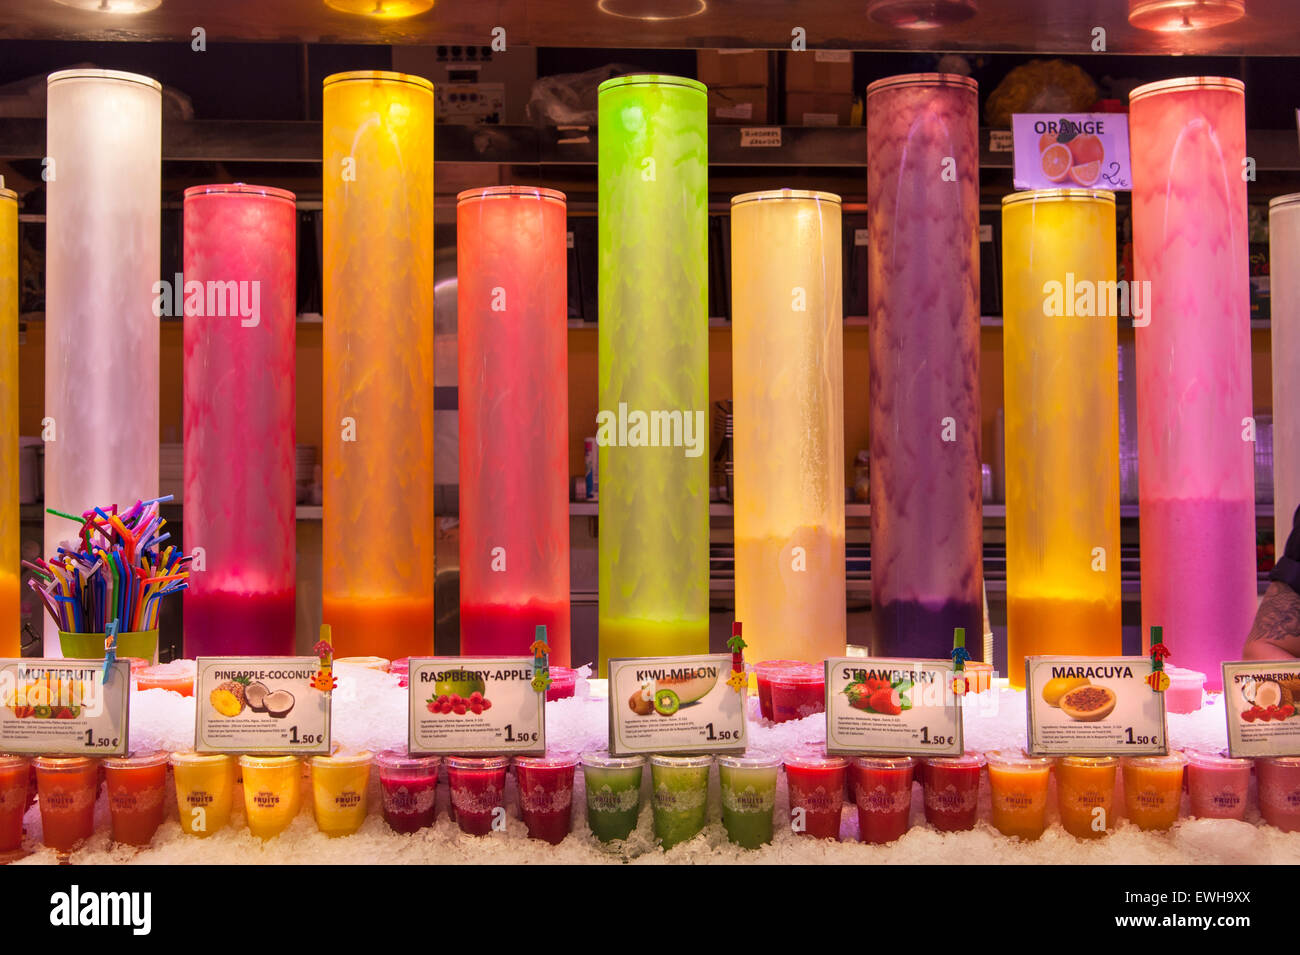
(13, 802)
(272, 793)
(1018, 784)
(177, 676)
(205, 790)
(1153, 789)
(136, 800)
(1085, 794)
(66, 787)
(338, 785)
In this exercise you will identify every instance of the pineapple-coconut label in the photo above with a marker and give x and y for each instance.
(260, 705)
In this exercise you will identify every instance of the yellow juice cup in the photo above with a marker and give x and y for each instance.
(272, 793)
(338, 786)
(1153, 789)
(205, 790)
(1018, 784)
(1085, 785)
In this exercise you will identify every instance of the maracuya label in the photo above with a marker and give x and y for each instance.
(1093, 706)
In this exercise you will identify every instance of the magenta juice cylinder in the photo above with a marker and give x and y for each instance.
(239, 299)
(1217, 785)
(923, 344)
(478, 790)
(408, 787)
(1279, 791)
(1196, 474)
(546, 795)
(512, 359)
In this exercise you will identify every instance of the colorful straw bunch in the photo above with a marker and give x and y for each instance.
(118, 573)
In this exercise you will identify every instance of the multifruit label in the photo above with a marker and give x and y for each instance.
(1094, 706)
(465, 705)
(895, 707)
(1261, 700)
(260, 705)
(675, 705)
(1074, 151)
(63, 706)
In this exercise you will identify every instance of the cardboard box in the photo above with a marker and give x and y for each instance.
(819, 71)
(733, 67)
(739, 105)
(818, 109)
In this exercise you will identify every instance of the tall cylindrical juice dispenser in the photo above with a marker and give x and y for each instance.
(512, 357)
(1284, 306)
(10, 604)
(652, 172)
(1061, 375)
(102, 240)
(378, 533)
(923, 344)
(240, 242)
(787, 353)
(1195, 450)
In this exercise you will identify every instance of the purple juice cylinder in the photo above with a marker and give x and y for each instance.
(923, 287)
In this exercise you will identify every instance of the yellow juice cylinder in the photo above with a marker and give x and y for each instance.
(205, 790)
(338, 785)
(788, 388)
(272, 793)
(10, 642)
(378, 535)
(1062, 424)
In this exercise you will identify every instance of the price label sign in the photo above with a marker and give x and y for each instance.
(1262, 702)
(1093, 706)
(1075, 150)
(64, 707)
(675, 705)
(894, 707)
(465, 705)
(260, 705)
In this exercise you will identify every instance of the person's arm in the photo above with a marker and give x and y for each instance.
(1276, 632)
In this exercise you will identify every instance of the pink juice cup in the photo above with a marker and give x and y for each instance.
(952, 789)
(816, 785)
(564, 683)
(1279, 791)
(546, 794)
(1217, 785)
(884, 793)
(763, 673)
(409, 787)
(798, 693)
(478, 789)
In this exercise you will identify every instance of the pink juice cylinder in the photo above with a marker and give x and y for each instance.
(240, 305)
(923, 344)
(1196, 473)
(546, 795)
(512, 358)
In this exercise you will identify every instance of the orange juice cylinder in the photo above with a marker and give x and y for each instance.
(272, 793)
(339, 784)
(13, 801)
(1018, 784)
(136, 786)
(205, 790)
(66, 787)
(1085, 794)
(1153, 789)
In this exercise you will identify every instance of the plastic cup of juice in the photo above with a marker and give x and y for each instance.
(763, 673)
(339, 783)
(1279, 791)
(1186, 689)
(816, 785)
(409, 786)
(681, 796)
(478, 789)
(1153, 789)
(1018, 787)
(177, 676)
(564, 683)
(272, 793)
(382, 664)
(136, 796)
(798, 693)
(748, 788)
(1217, 785)
(205, 790)
(952, 791)
(1085, 794)
(546, 794)
(613, 794)
(66, 788)
(884, 790)
(14, 771)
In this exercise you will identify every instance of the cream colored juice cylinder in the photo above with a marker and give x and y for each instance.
(788, 389)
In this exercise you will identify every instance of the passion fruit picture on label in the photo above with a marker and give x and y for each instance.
(1079, 699)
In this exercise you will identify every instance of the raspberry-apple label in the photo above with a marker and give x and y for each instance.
(260, 705)
(896, 707)
(466, 705)
(684, 705)
(1261, 700)
(1094, 706)
(63, 706)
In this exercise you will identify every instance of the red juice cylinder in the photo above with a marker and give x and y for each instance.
(1217, 785)
(409, 788)
(564, 683)
(884, 794)
(478, 789)
(136, 796)
(924, 346)
(816, 786)
(240, 301)
(952, 790)
(13, 801)
(512, 359)
(798, 693)
(66, 787)
(546, 795)
(1279, 791)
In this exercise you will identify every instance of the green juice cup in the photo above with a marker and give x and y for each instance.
(613, 794)
(681, 796)
(748, 785)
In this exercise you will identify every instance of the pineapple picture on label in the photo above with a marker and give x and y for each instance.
(230, 697)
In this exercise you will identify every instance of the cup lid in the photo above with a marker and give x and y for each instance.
(400, 759)
(1086, 761)
(680, 762)
(1220, 759)
(136, 760)
(965, 760)
(267, 762)
(12, 761)
(559, 760)
(750, 761)
(1016, 757)
(606, 761)
(63, 762)
(805, 673)
(350, 758)
(1288, 761)
(1176, 758)
(191, 758)
(884, 762)
(808, 757)
(478, 762)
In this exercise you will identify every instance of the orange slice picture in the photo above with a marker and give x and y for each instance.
(1057, 162)
(1085, 174)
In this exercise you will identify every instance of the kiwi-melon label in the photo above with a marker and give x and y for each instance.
(675, 705)
(1094, 706)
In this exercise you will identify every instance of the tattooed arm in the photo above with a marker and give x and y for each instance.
(1276, 633)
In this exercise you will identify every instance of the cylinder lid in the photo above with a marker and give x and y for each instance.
(1058, 195)
(923, 79)
(651, 79)
(510, 192)
(90, 74)
(379, 76)
(239, 189)
(1186, 84)
(786, 194)
(606, 761)
(1287, 200)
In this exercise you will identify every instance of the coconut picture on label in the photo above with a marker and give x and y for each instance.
(668, 694)
(243, 695)
(1268, 699)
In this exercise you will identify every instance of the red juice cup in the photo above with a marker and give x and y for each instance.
(409, 786)
(884, 790)
(763, 673)
(1217, 785)
(952, 789)
(798, 693)
(564, 683)
(816, 785)
(66, 788)
(14, 771)
(1279, 791)
(546, 794)
(136, 796)
(402, 669)
(478, 789)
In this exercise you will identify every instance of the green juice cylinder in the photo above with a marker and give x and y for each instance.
(613, 794)
(652, 416)
(748, 787)
(681, 797)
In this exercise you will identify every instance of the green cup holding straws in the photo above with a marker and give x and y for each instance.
(90, 646)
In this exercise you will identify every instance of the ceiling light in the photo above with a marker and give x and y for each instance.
(921, 14)
(112, 6)
(652, 9)
(381, 9)
(1174, 16)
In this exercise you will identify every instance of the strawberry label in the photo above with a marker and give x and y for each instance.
(63, 706)
(905, 707)
(1262, 703)
(469, 705)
